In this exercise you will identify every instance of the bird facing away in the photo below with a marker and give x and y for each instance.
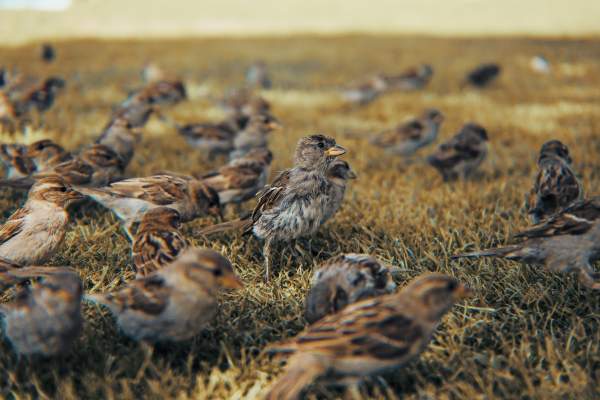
(566, 242)
(129, 199)
(157, 241)
(556, 186)
(483, 75)
(369, 336)
(34, 232)
(175, 302)
(343, 280)
(460, 156)
(338, 174)
(241, 178)
(254, 135)
(44, 318)
(407, 138)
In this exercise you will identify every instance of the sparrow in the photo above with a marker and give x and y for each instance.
(460, 156)
(365, 92)
(555, 186)
(257, 76)
(343, 280)
(157, 241)
(121, 137)
(174, 303)
(33, 233)
(129, 199)
(136, 114)
(48, 54)
(40, 96)
(45, 317)
(367, 337)
(254, 135)
(241, 178)
(214, 138)
(338, 174)
(566, 242)
(24, 160)
(483, 75)
(407, 138)
(160, 93)
(244, 102)
(413, 79)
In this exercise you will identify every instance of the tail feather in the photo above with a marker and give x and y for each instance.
(494, 252)
(19, 183)
(236, 224)
(300, 372)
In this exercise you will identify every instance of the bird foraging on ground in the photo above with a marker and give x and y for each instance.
(45, 317)
(343, 280)
(407, 138)
(129, 199)
(175, 302)
(157, 241)
(568, 241)
(22, 160)
(412, 79)
(461, 156)
(483, 75)
(363, 93)
(367, 337)
(556, 186)
(33, 233)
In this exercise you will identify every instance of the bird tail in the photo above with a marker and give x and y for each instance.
(237, 224)
(19, 183)
(495, 252)
(301, 371)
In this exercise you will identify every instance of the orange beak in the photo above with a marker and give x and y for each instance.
(335, 151)
(231, 281)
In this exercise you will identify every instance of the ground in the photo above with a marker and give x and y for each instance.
(526, 333)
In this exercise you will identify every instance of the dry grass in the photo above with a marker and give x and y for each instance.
(526, 333)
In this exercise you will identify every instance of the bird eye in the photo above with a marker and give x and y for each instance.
(63, 189)
(321, 145)
(217, 272)
(452, 285)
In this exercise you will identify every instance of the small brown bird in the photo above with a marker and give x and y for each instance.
(483, 75)
(175, 302)
(45, 317)
(343, 280)
(338, 174)
(244, 102)
(129, 199)
(157, 241)
(241, 178)
(254, 135)
(34, 232)
(407, 138)
(566, 242)
(24, 160)
(121, 137)
(413, 79)
(363, 93)
(556, 186)
(460, 156)
(258, 76)
(368, 337)
(136, 114)
(39, 96)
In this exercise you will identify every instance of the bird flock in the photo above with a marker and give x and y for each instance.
(359, 322)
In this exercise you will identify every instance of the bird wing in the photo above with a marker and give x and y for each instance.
(157, 189)
(270, 195)
(558, 181)
(156, 248)
(13, 225)
(75, 171)
(206, 131)
(230, 177)
(148, 295)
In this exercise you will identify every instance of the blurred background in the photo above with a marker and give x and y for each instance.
(26, 20)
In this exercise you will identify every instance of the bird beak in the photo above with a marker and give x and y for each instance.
(231, 281)
(352, 174)
(335, 151)
(274, 124)
(463, 292)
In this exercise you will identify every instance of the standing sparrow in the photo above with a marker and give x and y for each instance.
(121, 137)
(45, 317)
(254, 135)
(566, 242)
(33, 233)
(407, 138)
(368, 337)
(343, 280)
(556, 185)
(413, 79)
(175, 302)
(157, 241)
(241, 178)
(460, 156)
(129, 199)
(483, 75)
(365, 92)
(338, 175)
(258, 76)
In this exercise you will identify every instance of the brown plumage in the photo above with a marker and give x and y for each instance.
(461, 156)
(566, 242)
(121, 137)
(412, 79)
(158, 241)
(369, 336)
(556, 186)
